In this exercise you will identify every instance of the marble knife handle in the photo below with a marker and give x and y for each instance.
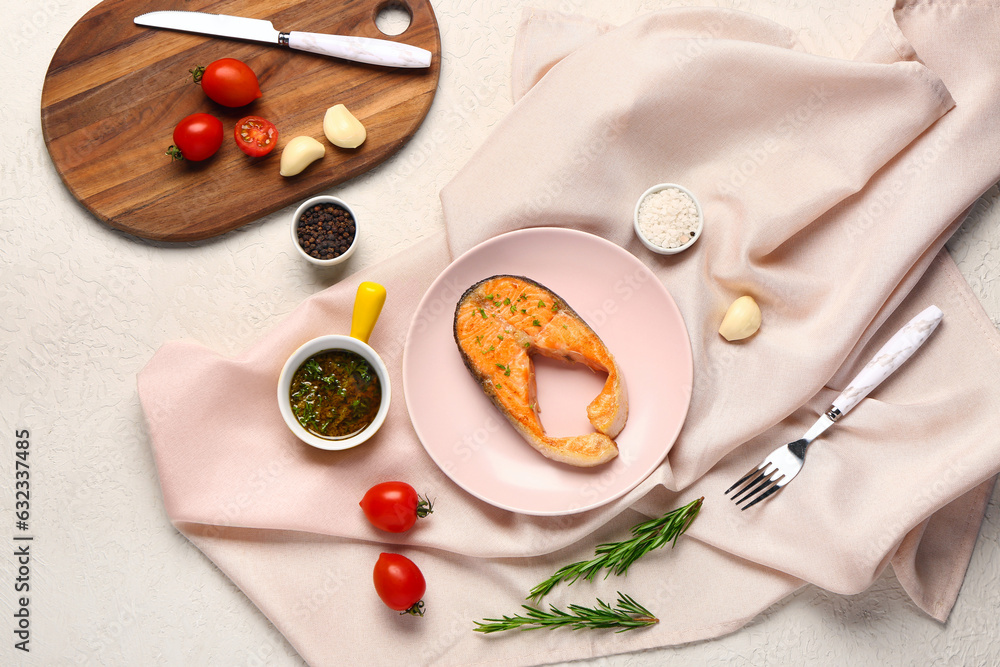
(892, 355)
(360, 49)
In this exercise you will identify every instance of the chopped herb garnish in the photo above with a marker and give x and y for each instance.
(506, 301)
(555, 308)
(483, 313)
(536, 323)
(541, 304)
(505, 369)
(499, 336)
(524, 311)
(313, 370)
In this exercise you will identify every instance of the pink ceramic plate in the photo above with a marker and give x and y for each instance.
(629, 309)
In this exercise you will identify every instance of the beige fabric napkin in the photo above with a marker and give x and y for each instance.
(829, 188)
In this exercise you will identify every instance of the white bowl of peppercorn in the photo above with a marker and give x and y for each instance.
(325, 230)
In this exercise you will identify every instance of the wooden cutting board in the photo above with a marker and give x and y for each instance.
(114, 92)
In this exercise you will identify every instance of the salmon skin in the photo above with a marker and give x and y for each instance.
(499, 323)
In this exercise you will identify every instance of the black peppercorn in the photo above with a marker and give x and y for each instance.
(325, 231)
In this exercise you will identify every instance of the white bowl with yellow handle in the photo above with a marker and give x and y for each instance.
(367, 306)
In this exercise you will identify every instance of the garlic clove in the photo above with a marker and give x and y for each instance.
(342, 128)
(742, 320)
(299, 153)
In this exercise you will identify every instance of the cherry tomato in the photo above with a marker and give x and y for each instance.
(400, 584)
(394, 506)
(196, 137)
(228, 81)
(255, 136)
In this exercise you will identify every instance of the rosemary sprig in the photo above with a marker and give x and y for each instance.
(618, 556)
(627, 615)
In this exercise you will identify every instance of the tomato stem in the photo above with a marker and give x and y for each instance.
(424, 507)
(197, 73)
(416, 610)
(174, 153)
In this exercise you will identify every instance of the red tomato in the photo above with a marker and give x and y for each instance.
(197, 137)
(255, 136)
(400, 584)
(394, 506)
(228, 81)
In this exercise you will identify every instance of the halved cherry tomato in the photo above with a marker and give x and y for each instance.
(255, 136)
(394, 506)
(228, 81)
(196, 137)
(400, 584)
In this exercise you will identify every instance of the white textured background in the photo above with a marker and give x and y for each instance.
(82, 308)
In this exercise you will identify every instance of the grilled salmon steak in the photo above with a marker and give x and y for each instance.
(499, 323)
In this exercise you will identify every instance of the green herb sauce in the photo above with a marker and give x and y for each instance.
(335, 394)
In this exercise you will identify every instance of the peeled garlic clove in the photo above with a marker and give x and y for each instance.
(742, 319)
(299, 153)
(342, 128)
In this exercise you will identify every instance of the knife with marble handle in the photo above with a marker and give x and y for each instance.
(359, 49)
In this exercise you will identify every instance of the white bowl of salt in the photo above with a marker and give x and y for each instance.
(668, 218)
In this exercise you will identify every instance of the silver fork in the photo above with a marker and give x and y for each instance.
(784, 463)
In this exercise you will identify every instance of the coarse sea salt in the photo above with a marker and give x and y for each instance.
(668, 218)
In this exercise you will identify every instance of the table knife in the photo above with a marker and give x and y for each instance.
(359, 49)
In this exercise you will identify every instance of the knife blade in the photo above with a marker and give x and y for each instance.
(359, 49)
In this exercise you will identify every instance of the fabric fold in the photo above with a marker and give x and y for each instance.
(829, 188)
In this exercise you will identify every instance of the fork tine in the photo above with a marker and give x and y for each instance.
(743, 479)
(755, 485)
(749, 483)
(766, 470)
(774, 487)
(773, 480)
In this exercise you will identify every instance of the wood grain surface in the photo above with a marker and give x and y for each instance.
(114, 91)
